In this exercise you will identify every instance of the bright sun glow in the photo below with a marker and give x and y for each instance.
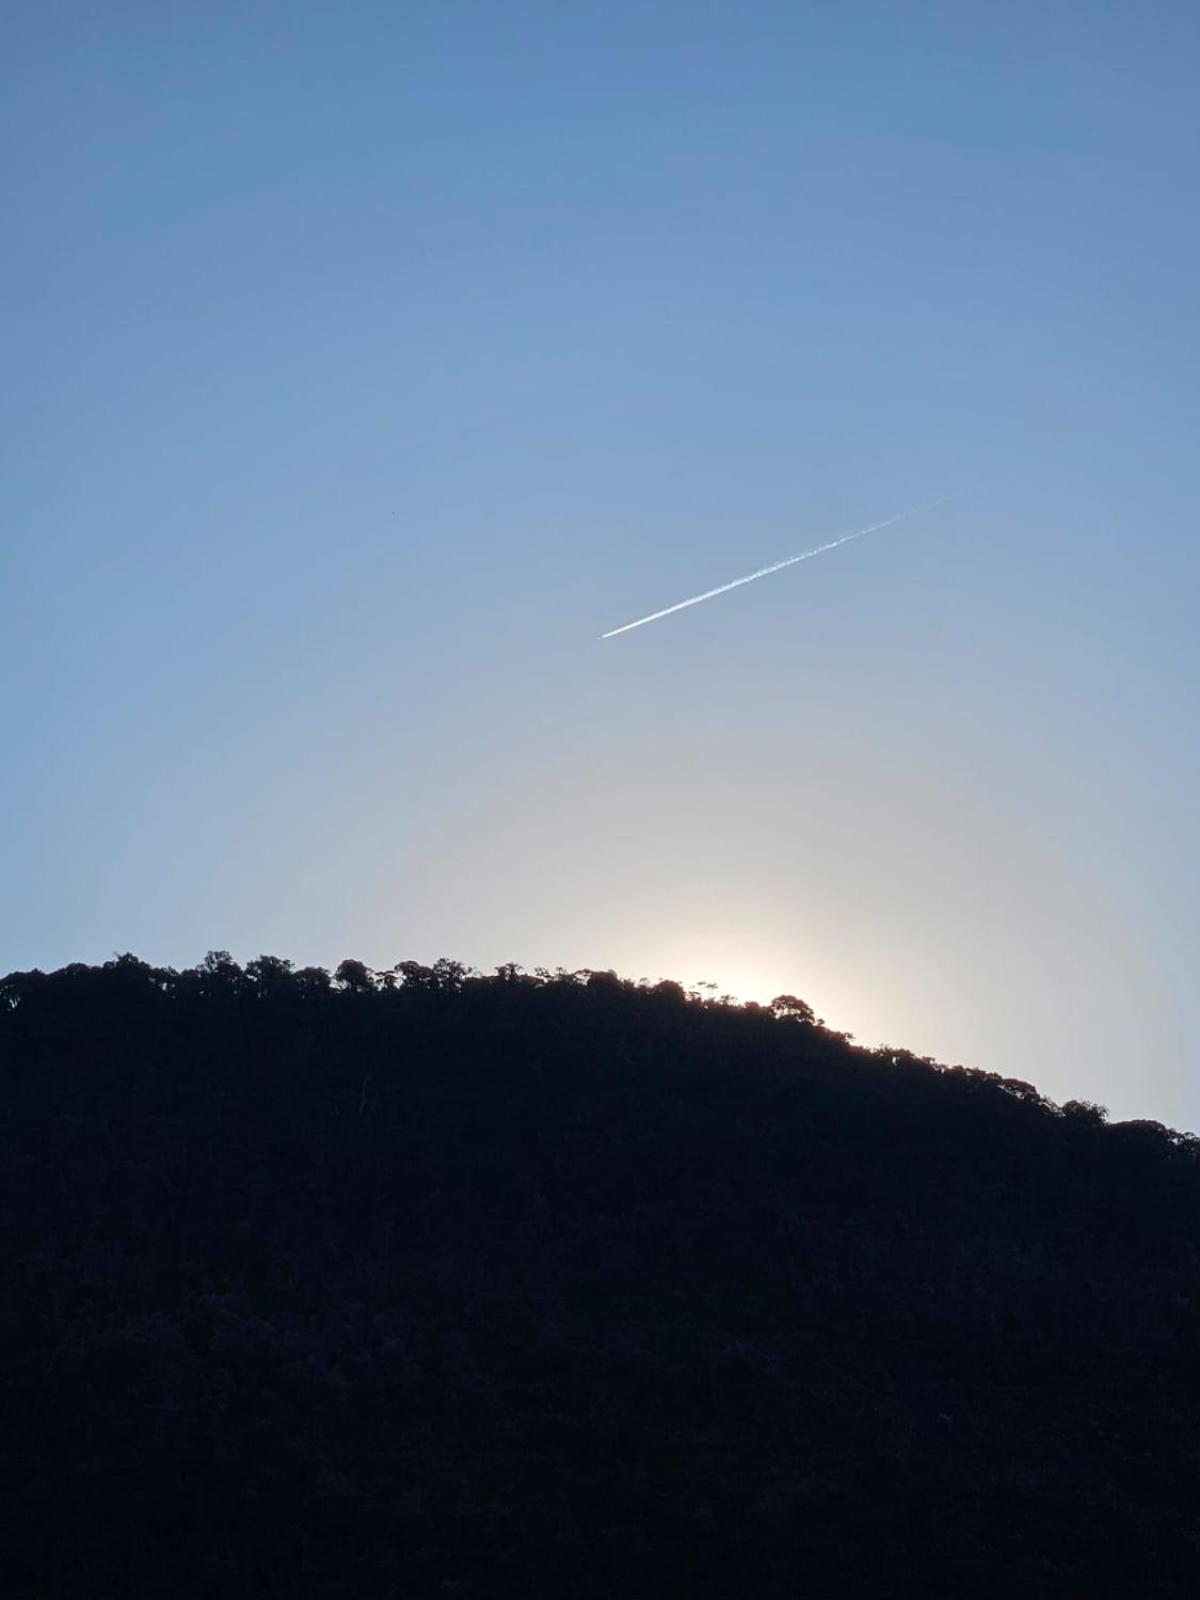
(759, 974)
(745, 974)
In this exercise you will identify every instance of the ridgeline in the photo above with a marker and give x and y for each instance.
(426, 1284)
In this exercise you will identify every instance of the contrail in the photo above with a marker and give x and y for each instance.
(763, 572)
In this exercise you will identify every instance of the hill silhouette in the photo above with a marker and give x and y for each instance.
(429, 1283)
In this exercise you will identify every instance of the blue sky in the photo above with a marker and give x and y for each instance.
(364, 365)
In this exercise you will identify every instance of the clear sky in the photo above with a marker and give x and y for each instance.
(363, 364)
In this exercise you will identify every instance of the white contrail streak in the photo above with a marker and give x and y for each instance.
(763, 572)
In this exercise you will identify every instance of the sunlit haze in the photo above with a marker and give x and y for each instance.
(365, 365)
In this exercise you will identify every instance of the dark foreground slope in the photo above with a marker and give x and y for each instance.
(428, 1285)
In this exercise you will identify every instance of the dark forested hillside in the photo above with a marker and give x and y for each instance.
(422, 1283)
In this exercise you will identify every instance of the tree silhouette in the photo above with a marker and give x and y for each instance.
(788, 1008)
(428, 1282)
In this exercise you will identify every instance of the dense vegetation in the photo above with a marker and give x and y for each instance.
(424, 1283)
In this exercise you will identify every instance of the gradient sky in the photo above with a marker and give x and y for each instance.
(363, 364)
